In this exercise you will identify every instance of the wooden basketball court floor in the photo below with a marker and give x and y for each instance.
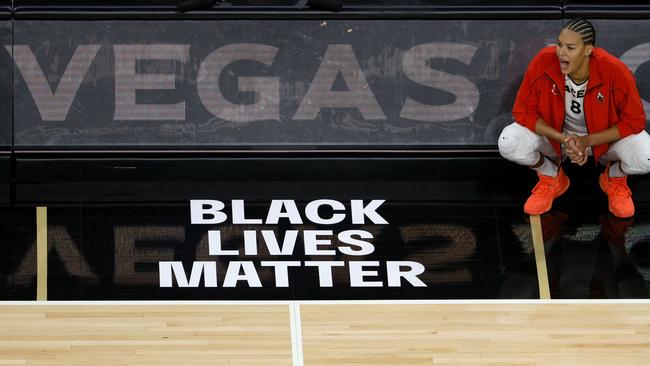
(396, 332)
(542, 332)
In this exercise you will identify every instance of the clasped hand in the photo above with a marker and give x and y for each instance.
(576, 149)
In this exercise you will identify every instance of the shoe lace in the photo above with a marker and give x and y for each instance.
(620, 190)
(542, 188)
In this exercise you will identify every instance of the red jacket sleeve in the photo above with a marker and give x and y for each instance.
(525, 109)
(628, 105)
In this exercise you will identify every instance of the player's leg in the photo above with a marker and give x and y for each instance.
(628, 156)
(524, 147)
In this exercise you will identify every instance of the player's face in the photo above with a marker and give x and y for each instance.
(573, 53)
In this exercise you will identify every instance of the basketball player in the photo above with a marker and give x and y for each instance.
(577, 100)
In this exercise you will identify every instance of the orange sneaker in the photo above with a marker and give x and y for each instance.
(548, 189)
(618, 194)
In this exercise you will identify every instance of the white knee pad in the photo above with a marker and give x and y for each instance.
(516, 146)
(640, 164)
(633, 152)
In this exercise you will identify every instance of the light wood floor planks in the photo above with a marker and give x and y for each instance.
(145, 335)
(477, 334)
(504, 334)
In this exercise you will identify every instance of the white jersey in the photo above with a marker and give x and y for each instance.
(574, 96)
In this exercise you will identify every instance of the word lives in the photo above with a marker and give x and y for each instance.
(329, 254)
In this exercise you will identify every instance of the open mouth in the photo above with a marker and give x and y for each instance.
(564, 65)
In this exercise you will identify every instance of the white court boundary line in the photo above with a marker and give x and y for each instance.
(296, 334)
(328, 302)
(145, 302)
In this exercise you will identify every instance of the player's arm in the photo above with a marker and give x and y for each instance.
(581, 143)
(632, 117)
(577, 145)
(542, 128)
(603, 137)
(525, 109)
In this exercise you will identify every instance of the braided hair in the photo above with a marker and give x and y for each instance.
(584, 28)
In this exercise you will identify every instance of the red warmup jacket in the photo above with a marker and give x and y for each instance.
(612, 98)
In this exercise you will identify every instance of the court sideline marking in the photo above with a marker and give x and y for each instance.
(540, 257)
(296, 333)
(41, 253)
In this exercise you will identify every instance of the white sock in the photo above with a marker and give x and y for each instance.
(615, 170)
(548, 168)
